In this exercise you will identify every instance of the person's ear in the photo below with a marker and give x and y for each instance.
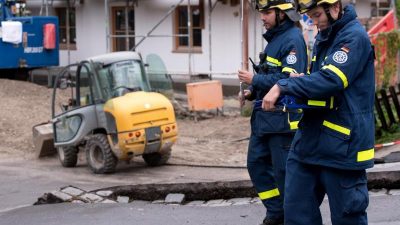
(281, 15)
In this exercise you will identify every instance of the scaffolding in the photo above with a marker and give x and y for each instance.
(211, 6)
(244, 8)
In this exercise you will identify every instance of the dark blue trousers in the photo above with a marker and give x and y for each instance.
(306, 186)
(266, 163)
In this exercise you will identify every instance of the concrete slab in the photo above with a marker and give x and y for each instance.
(174, 198)
(122, 199)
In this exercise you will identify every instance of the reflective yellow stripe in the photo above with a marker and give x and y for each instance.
(336, 127)
(331, 106)
(268, 194)
(316, 103)
(289, 70)
(314, 59)
(338, 72)
(294, 125)
(274, 61)
(365, 155)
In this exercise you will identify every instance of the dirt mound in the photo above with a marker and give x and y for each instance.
(217, 140)
(22, 106)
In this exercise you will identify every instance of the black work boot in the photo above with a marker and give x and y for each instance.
(268, 221)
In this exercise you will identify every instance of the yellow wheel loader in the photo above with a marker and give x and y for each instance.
(106, 107)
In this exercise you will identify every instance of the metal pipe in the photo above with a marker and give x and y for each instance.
(68, 33)
(255, 32)
(165, 17)
(245, 34)
(209, 39)
(107, 25)
(190, 39)
(127, 25)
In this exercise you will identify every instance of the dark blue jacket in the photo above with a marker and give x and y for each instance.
(342, 68)
(286, 52)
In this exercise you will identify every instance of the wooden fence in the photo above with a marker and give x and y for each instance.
(387, 108)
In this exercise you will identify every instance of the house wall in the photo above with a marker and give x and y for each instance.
(225, 39)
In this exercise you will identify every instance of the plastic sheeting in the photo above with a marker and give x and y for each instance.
(12, 31)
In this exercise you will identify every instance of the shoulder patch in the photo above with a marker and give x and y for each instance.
(340, 57)
(291, 59)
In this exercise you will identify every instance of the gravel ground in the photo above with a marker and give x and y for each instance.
(216, 140)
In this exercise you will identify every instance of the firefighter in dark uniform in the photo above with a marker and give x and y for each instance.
(333, 146)
(272, 132)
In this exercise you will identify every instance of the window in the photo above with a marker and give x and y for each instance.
(181, 44)
(85, 96)
(66, 28)
(379, 8)
(122, 27)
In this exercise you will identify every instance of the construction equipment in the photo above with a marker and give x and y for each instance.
(28, 41)
(112, 113)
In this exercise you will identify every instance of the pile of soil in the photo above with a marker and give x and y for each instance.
(217, 140)
(22, 106)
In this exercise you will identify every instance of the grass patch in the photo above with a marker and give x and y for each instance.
(388, 136)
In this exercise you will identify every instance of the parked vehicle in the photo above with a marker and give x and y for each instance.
(111, 113)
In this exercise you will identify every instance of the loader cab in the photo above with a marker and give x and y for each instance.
(83, 88)
(119, 78)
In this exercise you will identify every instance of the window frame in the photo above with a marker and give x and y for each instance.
(114, 30)
(63, 11)
(381, 10)
(184, 48)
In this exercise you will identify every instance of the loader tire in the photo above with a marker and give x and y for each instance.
(157, 158)
(68, 156)
(99, 155)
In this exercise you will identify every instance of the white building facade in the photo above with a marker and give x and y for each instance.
(99, 26)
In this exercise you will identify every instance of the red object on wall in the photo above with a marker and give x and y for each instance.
(49, 36)
(386, 24)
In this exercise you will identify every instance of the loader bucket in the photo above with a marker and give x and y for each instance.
(43, 140)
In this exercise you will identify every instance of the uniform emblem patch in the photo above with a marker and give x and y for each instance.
(291, 59)
(340, 57)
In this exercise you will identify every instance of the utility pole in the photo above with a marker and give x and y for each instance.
(245, 34)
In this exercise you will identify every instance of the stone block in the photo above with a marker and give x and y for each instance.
(104, 193)
(123, 199)
(72, 191)
(91, 197)
(394, 192)
(62, 196)
(174, 198)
